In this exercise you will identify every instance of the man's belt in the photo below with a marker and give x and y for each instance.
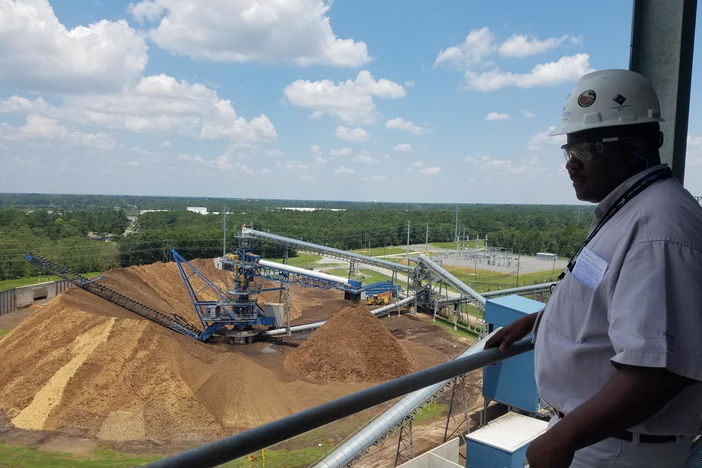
(629, 436)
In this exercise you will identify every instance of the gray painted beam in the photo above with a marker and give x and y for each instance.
(662, 43)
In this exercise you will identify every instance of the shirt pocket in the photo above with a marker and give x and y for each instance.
(569, 315)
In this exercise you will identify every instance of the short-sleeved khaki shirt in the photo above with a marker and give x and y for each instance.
(645, 311)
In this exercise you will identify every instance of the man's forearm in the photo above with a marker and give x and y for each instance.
(632, 396)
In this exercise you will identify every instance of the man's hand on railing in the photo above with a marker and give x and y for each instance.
(508, 334)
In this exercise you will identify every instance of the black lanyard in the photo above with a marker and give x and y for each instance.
(640, 185)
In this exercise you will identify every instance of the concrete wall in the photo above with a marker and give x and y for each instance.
(443, 456)
(25, 296)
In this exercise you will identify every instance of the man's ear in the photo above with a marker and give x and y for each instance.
(639, 148)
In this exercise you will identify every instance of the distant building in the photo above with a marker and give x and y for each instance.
(546, 256)
(104, 237)
(198, 209)
(141, 212)
(295, 208)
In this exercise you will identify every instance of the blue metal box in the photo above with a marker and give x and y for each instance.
(512, 381)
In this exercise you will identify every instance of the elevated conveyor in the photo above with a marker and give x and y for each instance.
(531, 289)
(450, 280)
(327, 251)
(173, 321)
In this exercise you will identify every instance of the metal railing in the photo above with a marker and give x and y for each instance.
(244, 443)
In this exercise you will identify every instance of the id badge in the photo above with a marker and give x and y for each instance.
(590, 268)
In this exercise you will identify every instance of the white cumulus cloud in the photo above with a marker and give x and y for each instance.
(542, 139)
(294, 31)
(402, 147)
(505, 166)
(496, 116)
(363, 157)
(568, 68)
(39, 53)
(158, 104)
(519, 45)
(297, 170)
(430, 171)
(344, 170)
(351, 101)
(341, 152)
(399, 123)
(528, 113)
(47, 130)
(478, 44)
(357, 135)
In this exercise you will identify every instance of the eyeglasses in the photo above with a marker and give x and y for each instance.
(588, 150)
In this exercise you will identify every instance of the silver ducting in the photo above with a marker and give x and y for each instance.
(303, 271)
(386, 421)
(313, 326)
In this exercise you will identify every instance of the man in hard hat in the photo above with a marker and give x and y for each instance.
(618, 351)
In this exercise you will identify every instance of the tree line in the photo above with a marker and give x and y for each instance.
(61, 234)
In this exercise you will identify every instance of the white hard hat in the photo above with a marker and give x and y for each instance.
(609, 98)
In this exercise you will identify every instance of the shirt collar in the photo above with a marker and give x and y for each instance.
(608, 201)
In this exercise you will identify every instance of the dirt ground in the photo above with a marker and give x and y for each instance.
(81, 371)
(11, 320)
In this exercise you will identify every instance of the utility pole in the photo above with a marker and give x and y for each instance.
(426, 241)
(287, 306)
(518, 260)
(456, 231)
(408, 233)
(578, 212)
(224, 231)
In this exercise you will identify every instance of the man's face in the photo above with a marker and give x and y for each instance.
(594, 180)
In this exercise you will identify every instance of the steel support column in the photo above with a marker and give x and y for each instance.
(405, 443)
(458, 409)
(662, 42)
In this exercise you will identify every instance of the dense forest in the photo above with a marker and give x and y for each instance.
(56, 226)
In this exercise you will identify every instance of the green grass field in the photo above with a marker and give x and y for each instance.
(462, 331)
(431, 413)
(380, 251)
(370, 275)
(302, 260)
(28, 280)
(4, 331)
(487, 280)
(17, 456)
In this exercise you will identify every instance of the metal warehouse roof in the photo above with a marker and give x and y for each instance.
(509, 432)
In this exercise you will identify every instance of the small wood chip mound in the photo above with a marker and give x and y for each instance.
(353, 346)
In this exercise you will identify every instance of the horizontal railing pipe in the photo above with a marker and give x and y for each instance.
(244, 443)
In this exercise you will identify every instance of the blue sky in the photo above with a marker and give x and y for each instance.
(353, 100)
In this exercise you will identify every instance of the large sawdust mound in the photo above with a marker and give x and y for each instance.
(353, 346)
(86, 367)
(161, 287)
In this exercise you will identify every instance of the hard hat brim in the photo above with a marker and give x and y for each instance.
(575, 127)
